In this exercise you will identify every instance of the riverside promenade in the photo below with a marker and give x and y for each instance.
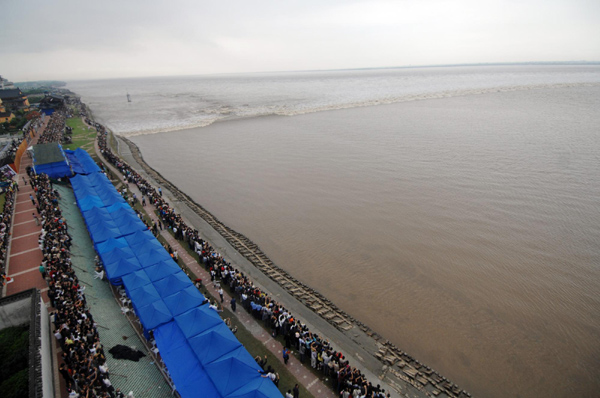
(357, 345)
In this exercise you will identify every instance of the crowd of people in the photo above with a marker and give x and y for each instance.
(10, 194)
(83, 360)
(317, 350)
(55, 129)
(83, 364)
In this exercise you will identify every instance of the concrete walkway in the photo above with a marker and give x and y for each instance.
(25, 256)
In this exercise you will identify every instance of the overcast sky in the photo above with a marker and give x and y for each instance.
(68, 40)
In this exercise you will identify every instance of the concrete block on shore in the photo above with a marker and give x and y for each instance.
(410, 372)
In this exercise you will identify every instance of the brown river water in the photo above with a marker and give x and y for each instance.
(465, 230)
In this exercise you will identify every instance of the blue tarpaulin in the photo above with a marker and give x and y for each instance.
(50, 159)
(214, 343)
(154, 315)
(144, 296)
(115, 271)
(191, 381)
(173, 284)
(233, 371)
(149, 255)
(135, 280)
(198, 320)
(184, 300)
(162, 270)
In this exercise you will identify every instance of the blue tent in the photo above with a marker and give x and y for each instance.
(143, 296)
(154, 315)
(257, 388)
(96, 179)
(96, 212)
(110, 244)
(89, 202)
(79, 182)
(130, 226)
(173, 284)
(135, 280)
(184, 300)
(87, 163)
(84, 191)
(171, 334)
(115, 271)
(74, 162)
(50, 159)
(125, 216)
(233, 371)
(96, 215)
(197, 320)
(139, 237)
(109, 196)
(214, 343)
(117, 206)
(103, 231)
(149, 254)
(161, 270)
(122, 212)
(191, 380)
(116, 254)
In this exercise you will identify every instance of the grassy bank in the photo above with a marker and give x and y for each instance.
(83, 137)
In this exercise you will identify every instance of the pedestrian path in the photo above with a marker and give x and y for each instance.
(25, 256)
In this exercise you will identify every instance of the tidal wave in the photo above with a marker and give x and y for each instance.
(219, 112)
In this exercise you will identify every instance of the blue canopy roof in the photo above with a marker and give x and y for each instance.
(143, 296)
(79, 182)
(232, 371)
(149, 254)
(89, 202)
(131, 225)
(189, 376)
(109, 196)
(154, 314)
(198, 320)
(135, 280)
(85, 161)
(139, 237)
(116, 206)
(96, 179)
(162, 270)
(110, 244)
(115, 271)
(258, 388)
(96, 212)
(100, 232)
(184, 300)
(94, 217)
(173, 283)
(116, 254)
(85, 191)
(214, 343)
(120, 212)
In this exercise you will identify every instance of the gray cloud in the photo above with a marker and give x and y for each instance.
(76, 40)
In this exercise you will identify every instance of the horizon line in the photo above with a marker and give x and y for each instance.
(580, 62)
